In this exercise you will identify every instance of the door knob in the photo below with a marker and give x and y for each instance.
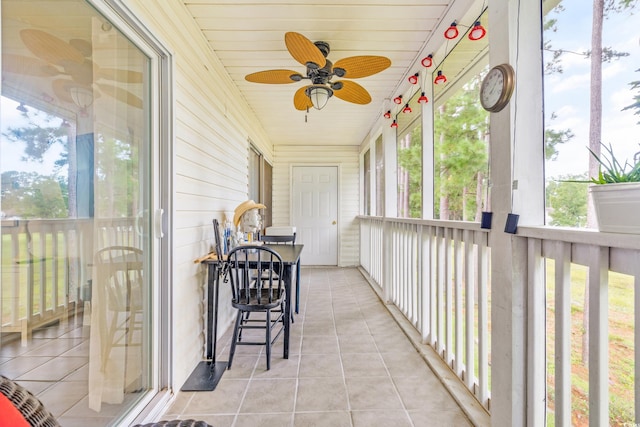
(333, 223)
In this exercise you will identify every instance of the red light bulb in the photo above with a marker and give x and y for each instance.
(394, 124)
(414, 79)
(423, 99)
(398, 99)
(406, 109)
(477, 32)
(452, 31)
(427, 61)
(440, 78)
(387, 115)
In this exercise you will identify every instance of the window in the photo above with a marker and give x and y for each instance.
(260, 181)
(409, 147)
(255, 160)
(569, 89)
(461, 139)
(380, 181)
(367, 182)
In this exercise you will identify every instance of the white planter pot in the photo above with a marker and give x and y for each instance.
(617, 207)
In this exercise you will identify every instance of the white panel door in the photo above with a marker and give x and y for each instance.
(315, 213)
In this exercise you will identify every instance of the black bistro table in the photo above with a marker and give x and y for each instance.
(207, 374)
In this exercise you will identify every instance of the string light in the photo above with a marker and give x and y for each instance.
(394, 124)
(387, 115)
(423, 99)
(398, 99)
(414, 79)
(477, 32)
(427, 61)
(451, 32)
(406, 109)
(440, 78)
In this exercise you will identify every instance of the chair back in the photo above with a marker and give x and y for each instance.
(119, 270)
(248, 265)
(278, 240)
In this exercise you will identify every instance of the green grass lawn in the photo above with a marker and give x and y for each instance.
(621, 347)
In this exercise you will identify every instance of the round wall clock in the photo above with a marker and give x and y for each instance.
(497, 88)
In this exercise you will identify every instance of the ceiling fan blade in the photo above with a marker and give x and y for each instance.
(50, 48)
(352, 92)
(18, 64)
(121, 95)
(303, 50)
(273, 76)
(362, 66)
(300, 100)
(122, 76)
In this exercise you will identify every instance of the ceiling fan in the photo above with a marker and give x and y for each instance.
(320, 71)
(55, 57)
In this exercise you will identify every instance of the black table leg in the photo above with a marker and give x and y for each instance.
(207, 374)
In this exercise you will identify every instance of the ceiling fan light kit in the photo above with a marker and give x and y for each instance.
(319, 95)
(320, 71)
(82, 97)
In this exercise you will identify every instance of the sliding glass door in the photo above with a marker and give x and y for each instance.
(76, 207)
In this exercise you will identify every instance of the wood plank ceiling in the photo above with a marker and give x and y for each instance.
(248, 36)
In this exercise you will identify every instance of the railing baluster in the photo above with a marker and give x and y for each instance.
(599, 336)
(483, 321)
(469, 280)
(457, 285)
(562, 259)
(536, 325)
(433, 287)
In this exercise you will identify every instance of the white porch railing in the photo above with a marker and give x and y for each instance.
(601, 253)
(436, 273)
(46, 264)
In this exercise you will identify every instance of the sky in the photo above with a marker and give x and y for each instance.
(568, 94)
(12, 152)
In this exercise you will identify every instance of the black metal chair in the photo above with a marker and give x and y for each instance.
(268, 297)
(285, 240)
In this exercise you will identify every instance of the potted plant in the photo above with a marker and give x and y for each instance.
(616, 193)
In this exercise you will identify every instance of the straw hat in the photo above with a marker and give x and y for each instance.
(244, 207)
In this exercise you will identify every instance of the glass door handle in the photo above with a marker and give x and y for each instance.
(158, 223)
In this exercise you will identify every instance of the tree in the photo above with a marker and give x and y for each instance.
(460, 153)
(30, 195)
(635, 85)
(568, 201)
(410, 162)
(45, 193)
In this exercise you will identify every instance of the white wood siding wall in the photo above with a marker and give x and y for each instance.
(211, 128)
(347, 158)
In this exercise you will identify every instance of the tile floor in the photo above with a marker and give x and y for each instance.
(350, 365)
(55, 367)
